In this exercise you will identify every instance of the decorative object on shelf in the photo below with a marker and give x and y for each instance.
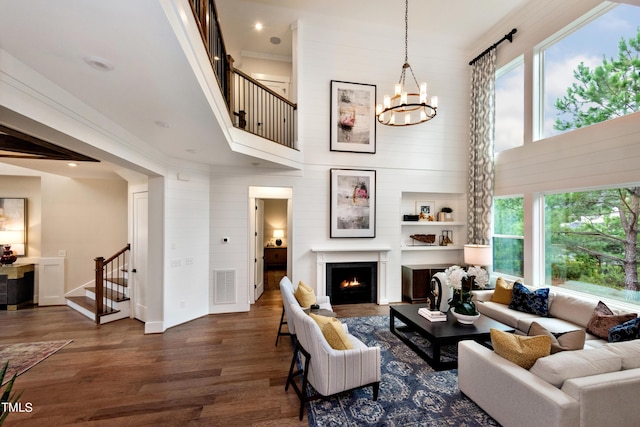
(446, 238)
(353, 125)
(407, 107)
(278, 235)
(353, 203)
(426, 210)
(461, 284)
(445, 214)
(8, 257)
(410, 217)
(13, 226)
(429, 239)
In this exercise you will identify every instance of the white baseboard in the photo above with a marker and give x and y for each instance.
(153, 327)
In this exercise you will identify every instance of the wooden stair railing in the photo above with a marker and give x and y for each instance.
(110, 270)
(252, 106)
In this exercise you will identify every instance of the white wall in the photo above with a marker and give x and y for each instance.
(186, 291)
(431, 157)
(87, 219)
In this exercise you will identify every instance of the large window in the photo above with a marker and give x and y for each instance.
(591, 74)
(591, 242)
(509, 130)
(508, 240)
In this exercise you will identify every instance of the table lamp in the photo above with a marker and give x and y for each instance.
(478, 255)
(278, 235)
(8, 238)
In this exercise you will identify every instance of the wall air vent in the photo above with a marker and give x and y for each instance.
(224, 286)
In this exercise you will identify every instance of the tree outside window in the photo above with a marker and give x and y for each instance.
(508, 237)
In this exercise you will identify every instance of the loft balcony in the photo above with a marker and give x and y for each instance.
(253, 109)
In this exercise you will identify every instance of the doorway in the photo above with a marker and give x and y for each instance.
(270, 238)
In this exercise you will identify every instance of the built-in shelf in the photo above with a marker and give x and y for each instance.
(431, 248)
(416, 252)
(432, 223)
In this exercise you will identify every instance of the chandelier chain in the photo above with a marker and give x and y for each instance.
(406, 49)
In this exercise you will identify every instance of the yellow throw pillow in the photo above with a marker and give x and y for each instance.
(333, 332)
(519, 349)
(305, 295)
(503, 292)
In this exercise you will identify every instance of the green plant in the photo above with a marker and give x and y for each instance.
(6, 396)
(461, 301)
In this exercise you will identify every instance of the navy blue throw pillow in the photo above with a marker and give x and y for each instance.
(536, 302)
(625, 332)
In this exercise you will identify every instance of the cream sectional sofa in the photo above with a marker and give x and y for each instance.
(595, 386)
(587, 388)
(567, 313)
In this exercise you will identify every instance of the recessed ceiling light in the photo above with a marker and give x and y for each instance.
(190, 151)
(275, 40)
(98, 63)
(258, 26)
(72, 165)
(162, 124)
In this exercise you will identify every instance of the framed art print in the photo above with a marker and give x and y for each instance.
(353, 120)
(426, 210)
(353, 203)
(13, 224)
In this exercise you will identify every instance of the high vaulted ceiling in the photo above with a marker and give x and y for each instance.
(152, 93)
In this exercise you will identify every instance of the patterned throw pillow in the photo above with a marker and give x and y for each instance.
(536, 302)
(626, 332)
(604, 319)
(562, 341)
(520, 349)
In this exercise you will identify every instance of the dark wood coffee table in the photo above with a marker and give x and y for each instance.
(440, 333)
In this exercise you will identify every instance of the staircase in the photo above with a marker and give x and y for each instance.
(112, 284)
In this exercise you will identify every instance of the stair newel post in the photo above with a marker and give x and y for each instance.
(99, 287)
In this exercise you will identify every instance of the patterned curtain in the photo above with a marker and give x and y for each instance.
(481, 171)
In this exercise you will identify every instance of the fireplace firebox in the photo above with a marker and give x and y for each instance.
(352, 282)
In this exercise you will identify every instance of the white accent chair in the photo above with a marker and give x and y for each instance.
(287, 290)
(329, 371)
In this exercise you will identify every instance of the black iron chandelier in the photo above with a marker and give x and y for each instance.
(407, 107)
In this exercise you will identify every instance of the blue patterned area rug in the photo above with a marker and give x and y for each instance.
(411, 393)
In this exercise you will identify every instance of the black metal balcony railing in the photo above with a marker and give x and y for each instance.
(252, 106)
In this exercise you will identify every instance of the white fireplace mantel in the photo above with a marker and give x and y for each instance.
(359, 253)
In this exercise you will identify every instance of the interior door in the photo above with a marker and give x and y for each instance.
(139, 246)
(259, 249)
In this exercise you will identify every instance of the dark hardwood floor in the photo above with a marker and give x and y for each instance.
(218, 370)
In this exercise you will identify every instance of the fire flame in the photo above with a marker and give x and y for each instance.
(350, 283)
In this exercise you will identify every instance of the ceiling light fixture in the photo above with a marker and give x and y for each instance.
(258, 26)
(406, 108)
(98, 63)
(72, 165)
(162, 124)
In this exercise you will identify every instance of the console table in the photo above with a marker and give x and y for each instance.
(416, 280)
(16, 286)
(275, 257)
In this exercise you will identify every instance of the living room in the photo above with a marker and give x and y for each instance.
(201, 211)
(427, 159)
